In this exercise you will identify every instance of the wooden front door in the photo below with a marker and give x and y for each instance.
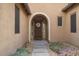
(38, 31)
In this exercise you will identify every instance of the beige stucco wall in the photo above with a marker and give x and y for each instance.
(9, 41)
(72, 38)
(52, 10)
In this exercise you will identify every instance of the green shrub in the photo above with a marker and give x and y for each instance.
(21, 52)
(55, 46)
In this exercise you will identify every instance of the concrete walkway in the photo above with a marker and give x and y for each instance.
(40, 48)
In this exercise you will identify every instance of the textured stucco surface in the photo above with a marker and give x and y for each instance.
(9, 41)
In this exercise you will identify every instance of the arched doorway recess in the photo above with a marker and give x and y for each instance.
(39, 27)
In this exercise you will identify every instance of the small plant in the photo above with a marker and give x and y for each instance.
(21, 52)
(55, 46)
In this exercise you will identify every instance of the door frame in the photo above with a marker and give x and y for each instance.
(48, 20)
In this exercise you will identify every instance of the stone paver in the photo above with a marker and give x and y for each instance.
(40, 48)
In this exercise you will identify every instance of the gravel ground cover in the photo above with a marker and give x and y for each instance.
(64, 49)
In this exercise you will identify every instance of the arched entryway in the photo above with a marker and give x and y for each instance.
(39, 27)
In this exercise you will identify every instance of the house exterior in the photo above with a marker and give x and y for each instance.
(71, 26)
(16, 24)
(51, 11)
(12, 38)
